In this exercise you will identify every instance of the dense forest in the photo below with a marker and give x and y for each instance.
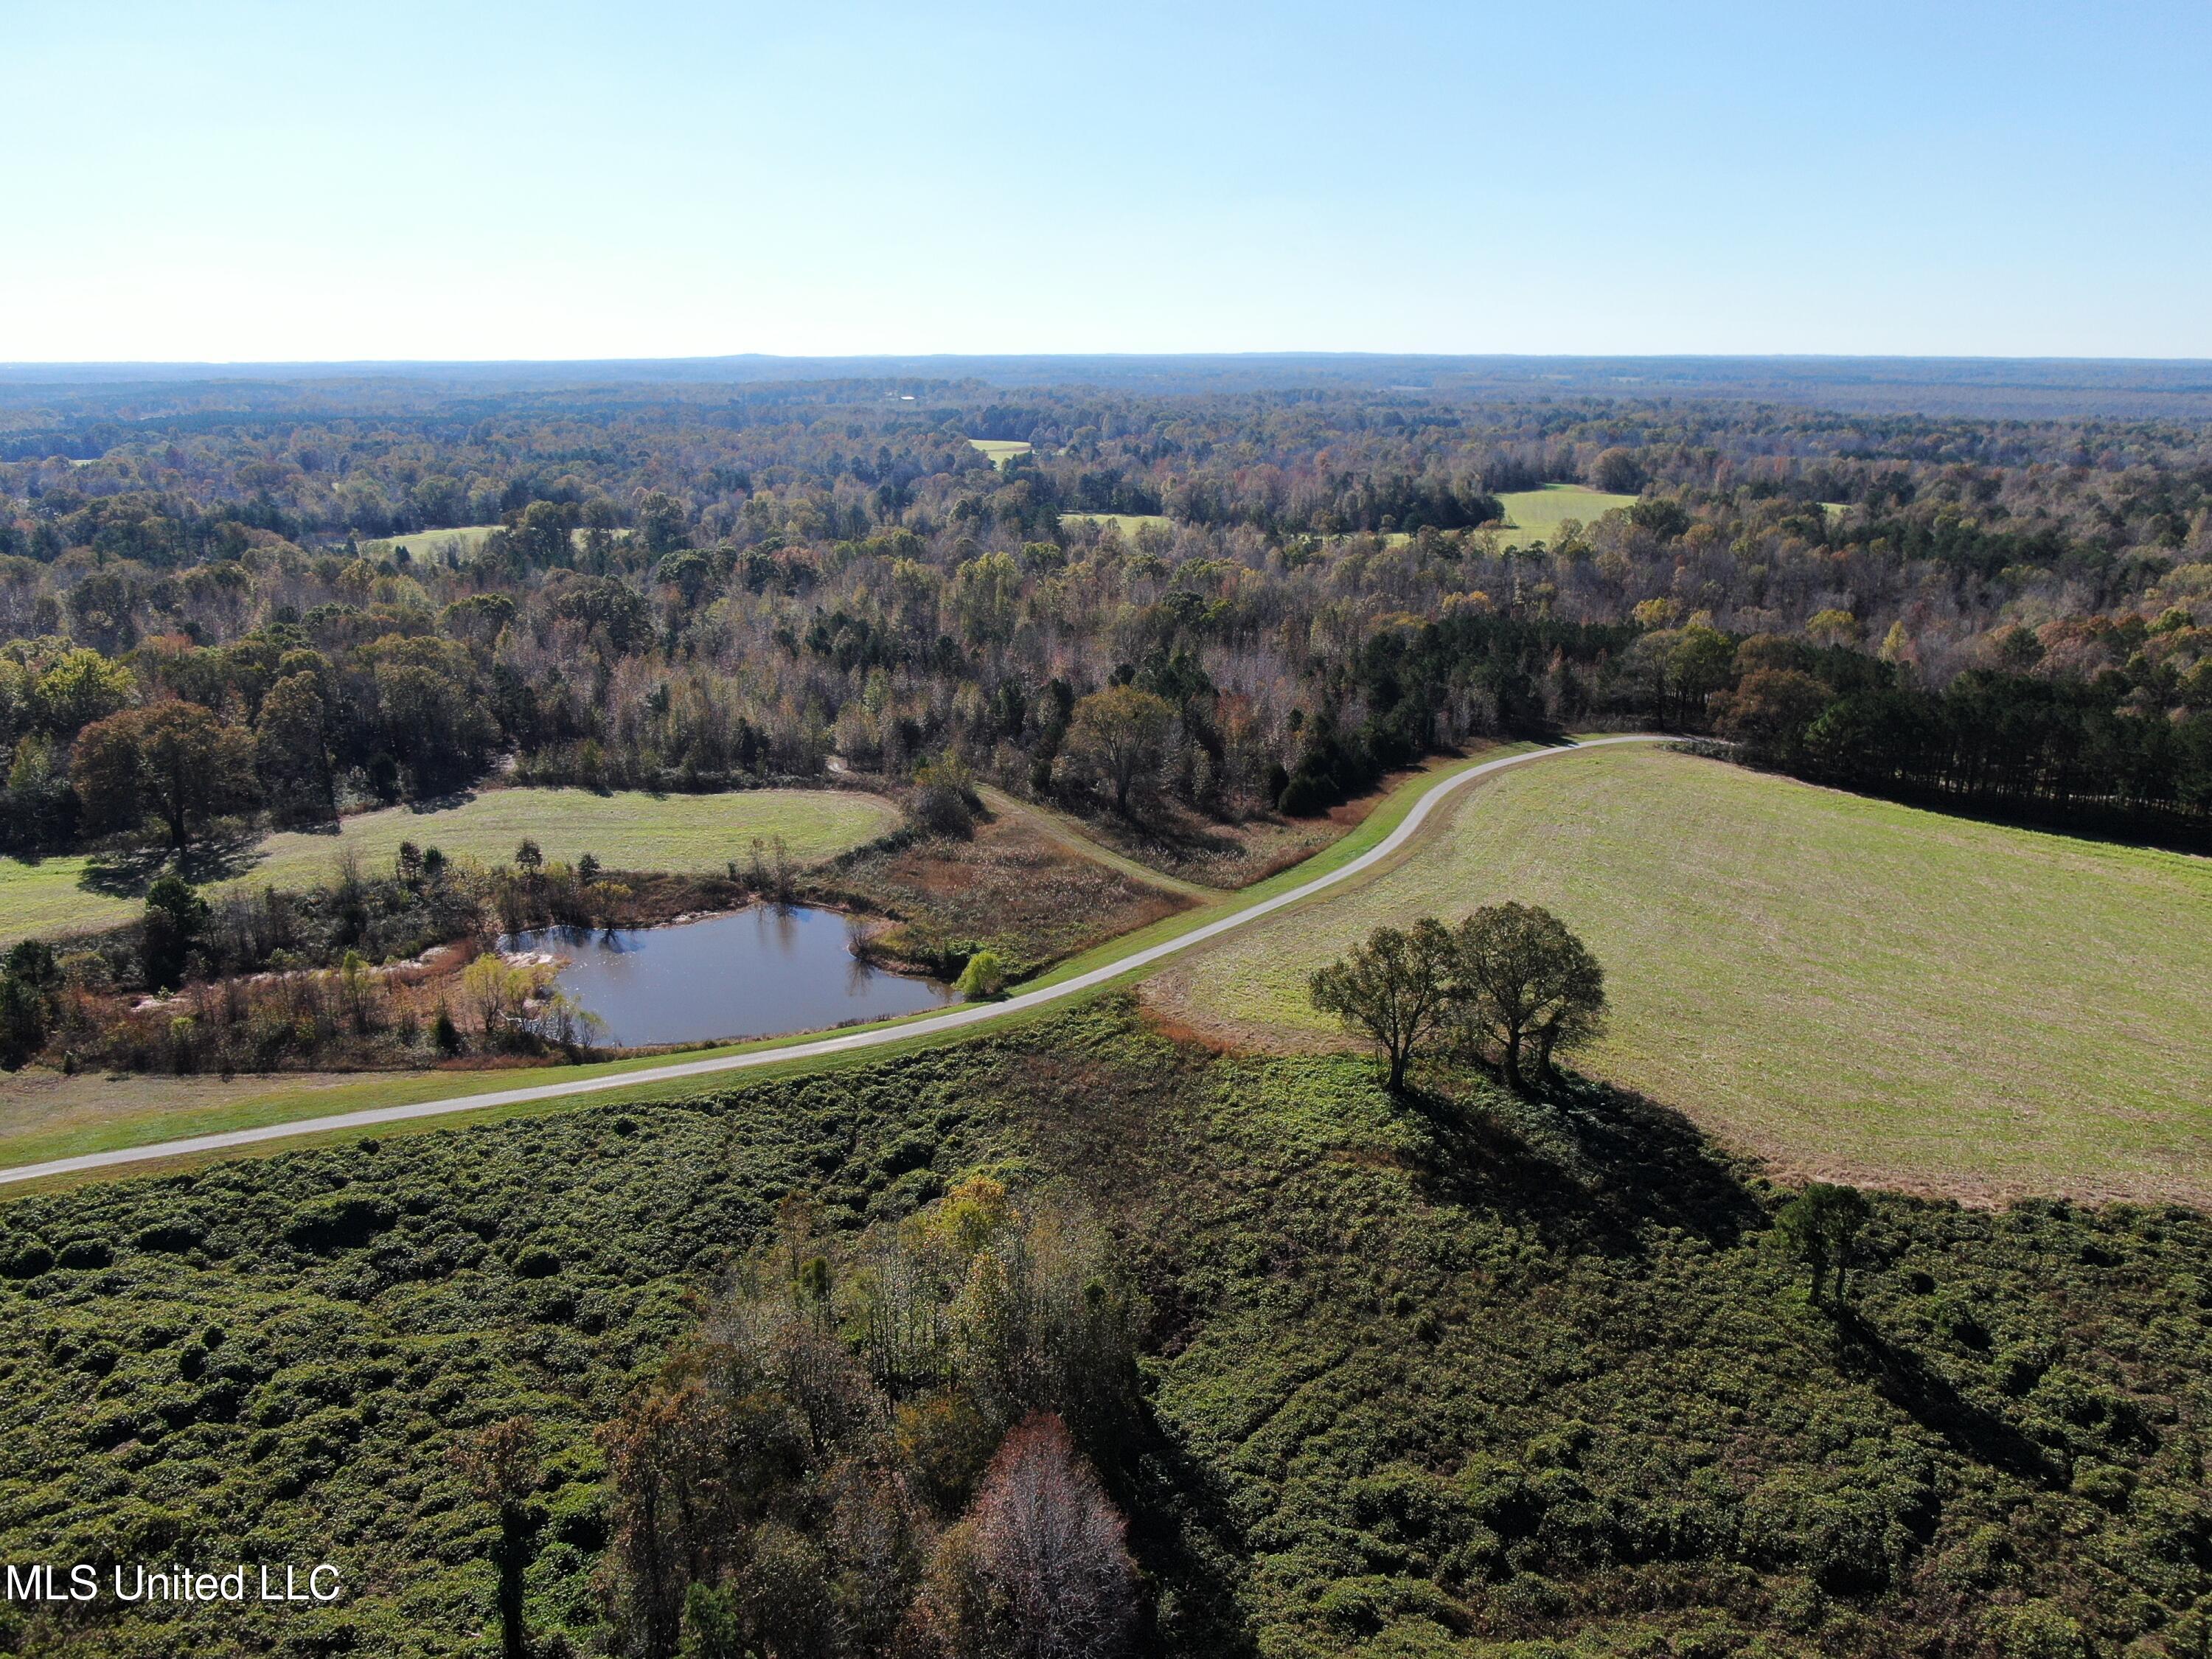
(228, 611)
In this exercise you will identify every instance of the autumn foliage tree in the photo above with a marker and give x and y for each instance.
(501, 1461)
(1119, 734)
(1040, 1566)
(785, 1487)
(174, 761)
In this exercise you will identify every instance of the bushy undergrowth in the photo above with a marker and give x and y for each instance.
(1005, 888)
(1476, 1375)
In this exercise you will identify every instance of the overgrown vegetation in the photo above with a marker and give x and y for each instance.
(1445, 1373)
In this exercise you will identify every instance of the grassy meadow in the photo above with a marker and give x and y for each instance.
(45, 898)
(1128, 523)
(1849, 986)
(463, 540)
(626, 831)
(1534, 515)
(1000, 450)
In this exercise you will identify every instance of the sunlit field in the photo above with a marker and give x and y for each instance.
(1849, 986)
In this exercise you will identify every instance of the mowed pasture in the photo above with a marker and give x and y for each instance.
(1851, 988)
(47, 899)
(1128, 523)
(462, 541)
(625, 831)
(1535, 515)
(1000, 450)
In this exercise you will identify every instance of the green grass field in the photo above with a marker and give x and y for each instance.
(1129, 522)
(625, 831)
(46, 900)
(1000, 450)
(1533, 515)
(464, 539)
(1848, 986)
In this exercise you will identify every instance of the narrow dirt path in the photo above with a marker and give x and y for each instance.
(1067, 832)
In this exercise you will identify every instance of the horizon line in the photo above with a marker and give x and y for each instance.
(1284, 354)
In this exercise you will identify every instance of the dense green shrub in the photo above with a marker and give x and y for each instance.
(1476, 1375)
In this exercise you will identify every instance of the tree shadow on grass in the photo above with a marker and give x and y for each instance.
(423, 804)
(1598, 1168)
(1184, 1536)
(128, 871)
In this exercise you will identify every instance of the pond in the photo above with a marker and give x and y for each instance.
(760, 972)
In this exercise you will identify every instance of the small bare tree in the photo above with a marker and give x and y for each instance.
(1040, 1566)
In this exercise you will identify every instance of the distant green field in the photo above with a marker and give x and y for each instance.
(464, 539)
(1000, 450)
(1533, 515)
(625, 831)
(1849, 987)
(1129, 522)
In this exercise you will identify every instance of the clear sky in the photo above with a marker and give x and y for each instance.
(224, 181)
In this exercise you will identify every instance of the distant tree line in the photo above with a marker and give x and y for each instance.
(656, 593)
(2091, 754)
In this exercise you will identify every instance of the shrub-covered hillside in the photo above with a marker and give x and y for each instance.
(1474, 1376)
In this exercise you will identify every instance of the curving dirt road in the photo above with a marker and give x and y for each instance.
(953, 1020)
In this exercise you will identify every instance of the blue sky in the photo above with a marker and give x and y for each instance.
(221, 181)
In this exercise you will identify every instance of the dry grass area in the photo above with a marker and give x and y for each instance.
(43, 1113)
(1013, 888)
(1848, 987)
(1225, 856)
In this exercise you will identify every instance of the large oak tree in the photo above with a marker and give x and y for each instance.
(174, 761)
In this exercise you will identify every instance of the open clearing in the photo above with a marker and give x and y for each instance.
(463, 540)
(45, 900)
(1128, 523)
(1534, 515)
(1000, 450)
(625, 831)
(1848, 987)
